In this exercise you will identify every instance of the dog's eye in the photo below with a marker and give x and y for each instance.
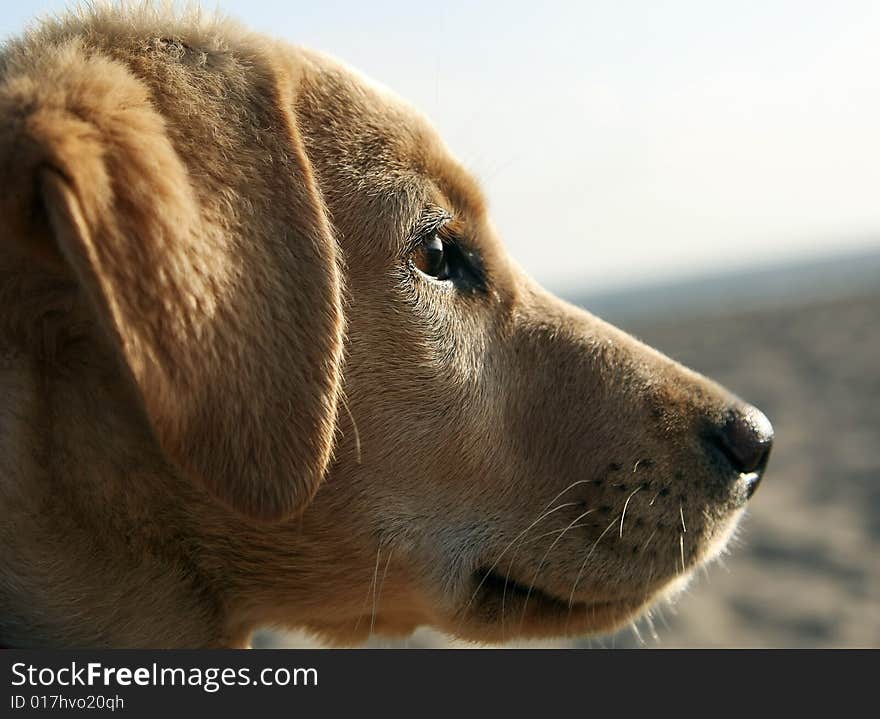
(431, 257)
(439, 250)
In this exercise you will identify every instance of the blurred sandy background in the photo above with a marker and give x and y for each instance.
(802, 342)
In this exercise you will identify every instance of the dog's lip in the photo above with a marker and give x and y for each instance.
(498, 614)
(492, 586)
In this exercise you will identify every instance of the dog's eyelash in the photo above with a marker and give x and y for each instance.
(432, 220)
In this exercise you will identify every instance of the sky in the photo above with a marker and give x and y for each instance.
(625, 142)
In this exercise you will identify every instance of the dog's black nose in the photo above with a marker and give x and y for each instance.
(745, 439)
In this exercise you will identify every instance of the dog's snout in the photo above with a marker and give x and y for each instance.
(744, 438)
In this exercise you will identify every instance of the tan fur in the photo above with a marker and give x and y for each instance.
(197, 225)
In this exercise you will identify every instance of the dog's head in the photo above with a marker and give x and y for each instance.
(383, 420)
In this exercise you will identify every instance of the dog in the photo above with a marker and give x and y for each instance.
(265, 362)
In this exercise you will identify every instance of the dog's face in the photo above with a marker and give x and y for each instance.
(526, 468)
(350, 354)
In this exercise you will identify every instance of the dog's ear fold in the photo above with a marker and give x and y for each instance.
(223, 301)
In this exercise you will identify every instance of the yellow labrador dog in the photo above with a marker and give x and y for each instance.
(264, 361)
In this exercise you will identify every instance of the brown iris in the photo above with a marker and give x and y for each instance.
(430, 257)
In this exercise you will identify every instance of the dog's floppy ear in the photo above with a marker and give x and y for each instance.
(223, 299)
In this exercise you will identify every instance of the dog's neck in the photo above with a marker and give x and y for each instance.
(141, 554)
(101, 529)
(142, 551)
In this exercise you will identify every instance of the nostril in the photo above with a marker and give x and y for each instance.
(745, 439)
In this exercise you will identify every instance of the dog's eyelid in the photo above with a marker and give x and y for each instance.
(432, 219)
(464, 260)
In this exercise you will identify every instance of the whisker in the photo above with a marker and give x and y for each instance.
(649, 620)
(572, 486)
(705, 572)
(357, 434)
(681, 547)
(681, 514)
(370, 589)
(532, 540)
(635, 630)
(504, 590)
(648, 540)
(625, 505)
(377, 595)
(662, 615)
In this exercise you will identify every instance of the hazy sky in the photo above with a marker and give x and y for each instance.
(622, 141)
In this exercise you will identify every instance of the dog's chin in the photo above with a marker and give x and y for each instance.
(501, 608)
(497, 608)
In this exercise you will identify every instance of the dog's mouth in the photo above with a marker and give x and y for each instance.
(515, 608)
(494, 585)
